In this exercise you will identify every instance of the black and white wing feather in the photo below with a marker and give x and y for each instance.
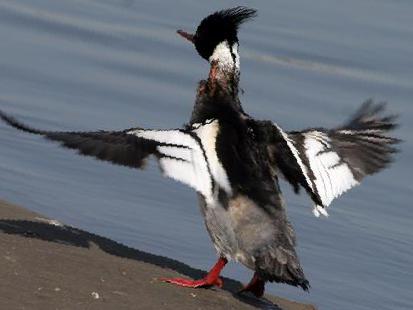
(186, 155)
(327, 163)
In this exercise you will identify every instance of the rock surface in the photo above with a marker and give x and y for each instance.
(47, 265)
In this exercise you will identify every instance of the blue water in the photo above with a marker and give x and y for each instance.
(114, 64)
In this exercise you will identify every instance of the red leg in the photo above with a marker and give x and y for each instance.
(211, 279)
(256, 286)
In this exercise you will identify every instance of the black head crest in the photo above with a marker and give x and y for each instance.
(218, 27)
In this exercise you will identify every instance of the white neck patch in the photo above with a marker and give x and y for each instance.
(223, 54)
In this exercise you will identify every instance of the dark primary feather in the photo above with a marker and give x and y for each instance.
(117, 147)
(363, 142)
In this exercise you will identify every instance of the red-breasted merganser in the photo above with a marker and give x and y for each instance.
(234, 161)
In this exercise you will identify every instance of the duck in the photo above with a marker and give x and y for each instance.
(235, 162)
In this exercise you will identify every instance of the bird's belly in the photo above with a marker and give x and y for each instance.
(238, 228)
(219, 225)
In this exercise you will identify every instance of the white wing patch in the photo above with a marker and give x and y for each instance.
(332, 177)
(338, 159)
(183, 158)
(177, 152)
(208, 135)
(189, 160)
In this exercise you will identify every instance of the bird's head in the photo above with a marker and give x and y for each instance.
(216, 37)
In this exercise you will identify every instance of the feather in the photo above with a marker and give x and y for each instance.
(327, 163)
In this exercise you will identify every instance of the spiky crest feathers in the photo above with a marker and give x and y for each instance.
(219, 27)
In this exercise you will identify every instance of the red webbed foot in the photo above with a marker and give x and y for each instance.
(211, 279)
(205, 282)
(256, 286)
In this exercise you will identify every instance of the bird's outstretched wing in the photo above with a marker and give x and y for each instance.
(180, 152)
(327, 163)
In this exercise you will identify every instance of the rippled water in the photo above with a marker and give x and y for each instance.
(114, 64)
